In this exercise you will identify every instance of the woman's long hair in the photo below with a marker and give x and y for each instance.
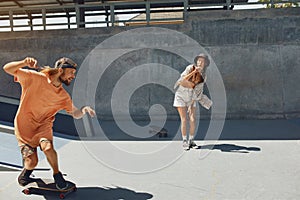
(197, 77)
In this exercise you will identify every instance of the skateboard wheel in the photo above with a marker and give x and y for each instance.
(61, 196)
(26, 191)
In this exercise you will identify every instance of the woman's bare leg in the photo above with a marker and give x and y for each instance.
(183, 118)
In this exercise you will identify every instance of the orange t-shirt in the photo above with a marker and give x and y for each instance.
(40, 101)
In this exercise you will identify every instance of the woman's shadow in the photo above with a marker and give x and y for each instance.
(104, 193)
(229, 148)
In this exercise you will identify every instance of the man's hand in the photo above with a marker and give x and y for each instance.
(79, 113)
(30, 62)
(89, 110)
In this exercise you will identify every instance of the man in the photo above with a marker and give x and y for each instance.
(42, 97)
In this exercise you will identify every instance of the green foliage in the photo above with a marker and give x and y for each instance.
(279, 4)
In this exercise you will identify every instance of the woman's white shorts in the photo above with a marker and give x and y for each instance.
(183, 97)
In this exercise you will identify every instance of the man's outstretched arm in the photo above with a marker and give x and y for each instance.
(12, 67)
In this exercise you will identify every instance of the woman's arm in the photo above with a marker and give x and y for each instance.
(183, 80)
(189, 75)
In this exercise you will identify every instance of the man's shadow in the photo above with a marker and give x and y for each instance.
(103, 193)
(229, 148)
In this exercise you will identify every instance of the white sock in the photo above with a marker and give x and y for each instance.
(191, 137)
(184, 137)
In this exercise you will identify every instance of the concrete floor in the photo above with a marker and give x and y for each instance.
(111, 170)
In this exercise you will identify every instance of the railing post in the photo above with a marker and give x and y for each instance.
(30, 21)
(80, 14)
(11, 20)
(44, 18)
(69, 20)
(228, 4)
(77, 15)
(148, 12)
(185, 8)
(112, 14)
(272, 4)
(106, 15)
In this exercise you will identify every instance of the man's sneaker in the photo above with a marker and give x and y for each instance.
(24, 177)
(192, 144)
(185, 145)
(61, 183)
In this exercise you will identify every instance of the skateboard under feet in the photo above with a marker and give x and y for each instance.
(43, 186)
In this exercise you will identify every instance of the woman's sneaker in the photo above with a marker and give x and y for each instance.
(185, 145)
(61, 183)
(192, 144)
(24, 177)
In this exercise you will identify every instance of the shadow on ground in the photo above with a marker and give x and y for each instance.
(105, 193)
(229, 148)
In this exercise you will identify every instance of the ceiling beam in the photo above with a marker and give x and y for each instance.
(60, 2)
(18, 4)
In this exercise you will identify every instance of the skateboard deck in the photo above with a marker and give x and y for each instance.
(43, 186)
(161, 132)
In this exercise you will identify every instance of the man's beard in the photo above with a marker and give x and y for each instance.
(66, 82)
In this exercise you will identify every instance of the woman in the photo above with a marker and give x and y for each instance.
(190, 89)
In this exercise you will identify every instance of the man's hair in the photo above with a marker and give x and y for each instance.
(49, 71)
(65, 63)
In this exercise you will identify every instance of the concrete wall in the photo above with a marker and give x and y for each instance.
(256, 52)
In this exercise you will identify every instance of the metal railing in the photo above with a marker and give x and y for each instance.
(112, 14)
